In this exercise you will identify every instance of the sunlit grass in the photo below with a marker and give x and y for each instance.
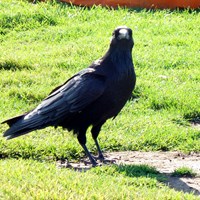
(43, 45)
(35, 180)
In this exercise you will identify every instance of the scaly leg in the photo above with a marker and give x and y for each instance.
(92, 160)
(82, 140)
(100, 157)
(95, 132)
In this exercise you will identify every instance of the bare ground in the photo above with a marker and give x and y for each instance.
(164, 162)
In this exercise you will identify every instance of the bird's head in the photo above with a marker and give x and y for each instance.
(122, 38)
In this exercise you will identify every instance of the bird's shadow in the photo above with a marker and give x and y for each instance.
(131, 170)
(166, 178)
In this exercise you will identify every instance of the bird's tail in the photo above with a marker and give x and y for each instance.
(20, 125)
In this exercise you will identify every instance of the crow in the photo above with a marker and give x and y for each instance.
(88, 98)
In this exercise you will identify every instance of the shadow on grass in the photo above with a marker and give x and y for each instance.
(154, 10)
(177, 184)
(135, 171)
(13, 65)
(193, 118)
(174, 182)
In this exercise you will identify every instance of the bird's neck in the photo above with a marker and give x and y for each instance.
(119, 57)
(120, 61)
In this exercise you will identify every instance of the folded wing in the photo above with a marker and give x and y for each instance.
(72, 97)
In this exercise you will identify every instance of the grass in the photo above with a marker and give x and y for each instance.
(35, 180)
(184, 172)
(43, 45)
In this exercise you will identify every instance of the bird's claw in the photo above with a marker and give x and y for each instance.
(100, 158)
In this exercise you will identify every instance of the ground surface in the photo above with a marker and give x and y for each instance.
(164, 162)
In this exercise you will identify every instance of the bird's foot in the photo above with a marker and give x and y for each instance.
(109, 161)
(99, 157)
(104, 160)
(91, 161)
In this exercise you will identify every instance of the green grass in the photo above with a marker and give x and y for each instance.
(184, 172)
(43, 45)
(30, 179)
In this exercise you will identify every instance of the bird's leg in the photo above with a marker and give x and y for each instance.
(82, 140)
(95, 132)
(92, 160)
(100, 157)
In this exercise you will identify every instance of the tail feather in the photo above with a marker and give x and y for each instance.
(17, 134)
(20, 126)
(13, 120)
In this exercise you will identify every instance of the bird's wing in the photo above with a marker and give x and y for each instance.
(73, 96)
(82, 72)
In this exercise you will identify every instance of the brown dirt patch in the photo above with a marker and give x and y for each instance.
(164, 162)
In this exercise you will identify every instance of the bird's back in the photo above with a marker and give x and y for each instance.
(119, 84)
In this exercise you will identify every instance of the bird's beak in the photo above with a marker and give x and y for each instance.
(123, 34)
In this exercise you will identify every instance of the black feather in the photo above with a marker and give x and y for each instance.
(88, 98)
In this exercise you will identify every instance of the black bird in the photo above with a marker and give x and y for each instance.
(90, 97)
